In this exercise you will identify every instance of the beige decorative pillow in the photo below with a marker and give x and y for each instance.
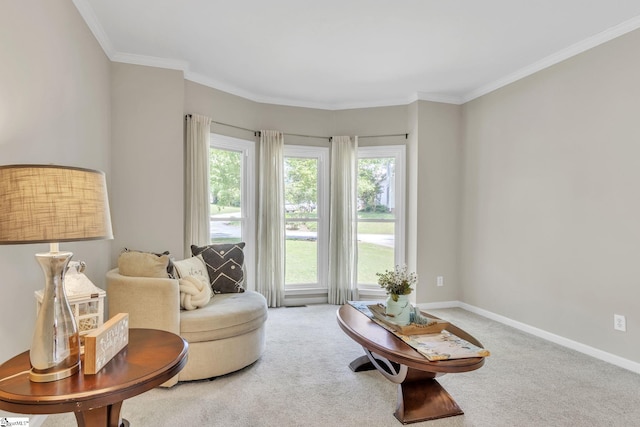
(142, 264)
(169, 265)
(193, 266)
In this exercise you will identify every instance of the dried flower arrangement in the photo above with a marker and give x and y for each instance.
(397, 282)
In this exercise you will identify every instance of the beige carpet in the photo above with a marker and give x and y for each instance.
(303, 379)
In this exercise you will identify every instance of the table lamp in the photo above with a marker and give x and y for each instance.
(53, 204)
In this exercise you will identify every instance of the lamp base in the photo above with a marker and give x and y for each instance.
(55, 349)
(45, 377)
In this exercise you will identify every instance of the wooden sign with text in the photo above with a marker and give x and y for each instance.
(101, 345)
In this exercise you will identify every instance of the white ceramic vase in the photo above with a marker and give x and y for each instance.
(399, 311)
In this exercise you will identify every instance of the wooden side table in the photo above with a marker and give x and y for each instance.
(151, 358)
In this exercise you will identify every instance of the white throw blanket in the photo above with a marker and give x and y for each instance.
(195, 292)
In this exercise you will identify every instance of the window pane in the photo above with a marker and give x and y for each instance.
(376, 188)
(376, 242)
(226, 231)
(301, 248)
(300, 187)
(301, 200)
(225, 171)
(232, 196)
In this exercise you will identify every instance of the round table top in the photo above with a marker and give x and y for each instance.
(150, 358)
(378, 340)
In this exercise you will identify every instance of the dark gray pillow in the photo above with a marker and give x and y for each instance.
(224, 265)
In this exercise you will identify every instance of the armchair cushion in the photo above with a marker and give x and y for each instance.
(225, 316)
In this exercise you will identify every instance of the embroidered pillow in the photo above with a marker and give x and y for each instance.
(225, 266)
(193, 266)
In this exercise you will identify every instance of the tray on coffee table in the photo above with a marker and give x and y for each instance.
(433, 326)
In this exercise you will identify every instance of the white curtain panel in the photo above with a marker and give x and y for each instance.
(197, 183)
(270, 277)
(342, 220)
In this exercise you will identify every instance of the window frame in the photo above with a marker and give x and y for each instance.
(398, 152)
(247, 149)
(322, 213)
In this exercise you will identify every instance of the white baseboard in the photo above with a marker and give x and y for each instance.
(442, 304)
(565, 342)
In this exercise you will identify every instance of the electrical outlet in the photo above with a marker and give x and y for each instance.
(440, 280)
(619, 323)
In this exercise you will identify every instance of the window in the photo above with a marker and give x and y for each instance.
(380, 219)
(306, 179)
(381, 189)
(232, 195)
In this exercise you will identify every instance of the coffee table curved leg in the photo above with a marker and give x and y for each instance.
(394, 372)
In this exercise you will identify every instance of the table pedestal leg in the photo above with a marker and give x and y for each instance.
(420, 396)
(105, 416)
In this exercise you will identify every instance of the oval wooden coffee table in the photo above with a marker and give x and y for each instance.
(420, 396)
(150, 358)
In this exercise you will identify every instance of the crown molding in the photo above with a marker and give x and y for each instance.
(87, 13)
(390, 102)
(564, 54)
(151, 61)
(233, 90)
(439, 97)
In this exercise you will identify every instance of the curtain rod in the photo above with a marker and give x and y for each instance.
(330, 138)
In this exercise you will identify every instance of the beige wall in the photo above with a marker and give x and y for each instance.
(550, 233)
(221, 107)
(147, 154)
(226, 108)
(437, 200)
(54, 108)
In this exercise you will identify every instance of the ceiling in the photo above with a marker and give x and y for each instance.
(339, 54)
